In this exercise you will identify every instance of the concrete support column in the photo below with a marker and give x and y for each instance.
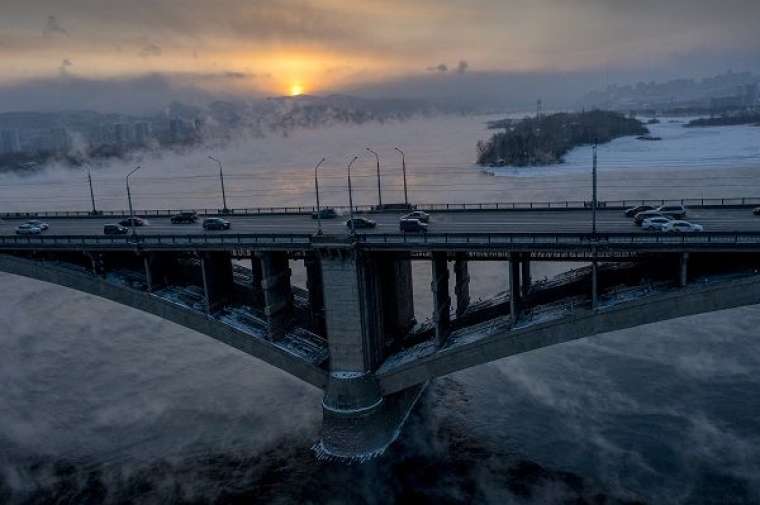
(594, 283)
(257, 277)
(216, 269)
(98, 264)
(514, 287)
(441, 299)
(359, 422)
(683, 271)
(278, 295)
(462, 283)
(316, 292)
(394, 272)
(525, 279)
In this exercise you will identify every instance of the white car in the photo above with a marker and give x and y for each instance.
(38, 224)
(655, 223)
(419, 215)
(682, 227)
(28, 229)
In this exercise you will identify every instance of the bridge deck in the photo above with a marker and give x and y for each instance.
(478, 229)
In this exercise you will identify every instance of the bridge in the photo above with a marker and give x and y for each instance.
(353, 332)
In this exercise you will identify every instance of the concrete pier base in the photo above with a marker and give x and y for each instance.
(358, 422)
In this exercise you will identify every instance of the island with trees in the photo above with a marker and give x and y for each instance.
(746, 118)
(545, 140)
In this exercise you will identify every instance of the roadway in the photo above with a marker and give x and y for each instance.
(524, 221)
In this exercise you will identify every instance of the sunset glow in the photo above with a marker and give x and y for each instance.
(296, 89)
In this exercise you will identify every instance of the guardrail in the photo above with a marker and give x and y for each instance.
(739, 240)
(433, 207)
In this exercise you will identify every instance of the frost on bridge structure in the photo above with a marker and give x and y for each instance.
(353, 332)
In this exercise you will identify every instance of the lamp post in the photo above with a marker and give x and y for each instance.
(593, 197)
(225, 210)
(129, 198)
(316, 192)
(403, 168)
(379, 193)
(92, 193)
(351, 197)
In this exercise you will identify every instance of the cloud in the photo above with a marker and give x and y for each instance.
(150, 50)
(53, 27)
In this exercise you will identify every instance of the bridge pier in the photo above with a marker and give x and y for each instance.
(683, 271)
(514, 287)
(462, 283)
(278, 295)
(316, 292)
(216, 270)
(441, 299)
(359, 422)
(257, 277)
(525, 279)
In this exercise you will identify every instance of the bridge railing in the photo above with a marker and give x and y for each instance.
(385, 240)
(433, 207)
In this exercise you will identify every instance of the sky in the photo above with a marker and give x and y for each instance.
(280, 47)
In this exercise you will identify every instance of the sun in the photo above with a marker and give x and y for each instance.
(296, 89)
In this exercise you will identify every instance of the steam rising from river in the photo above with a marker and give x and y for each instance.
(106, 403)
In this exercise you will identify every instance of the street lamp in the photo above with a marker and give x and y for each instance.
(593, 197)
(403, 167)
(92, 193)
(379, 194)
(225, 210)
(351, 197)
(316, 191)
(129, 198)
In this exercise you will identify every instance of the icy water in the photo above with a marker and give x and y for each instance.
(103, 404)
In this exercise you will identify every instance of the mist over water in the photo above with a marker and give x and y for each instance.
(102, 403)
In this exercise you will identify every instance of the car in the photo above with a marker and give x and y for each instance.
(655, 223)
(647, 214)
(216, 223)
(635, 210)
(756, 211)
(419, 215)
(674, 211)
(682, 227)
(326, 213)
(361, 222)
(134, 221)
(115, 229)
(412, 225)
(186, 217)
(39, 224)
(28, 229)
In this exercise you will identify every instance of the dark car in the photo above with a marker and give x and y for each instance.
(361, 222)
(412, 225)
(134, 221)
(115, 229)
(635, 210)
(756, 211)
(641, 216)
(216, 223)
(188, 217)
(326, 213)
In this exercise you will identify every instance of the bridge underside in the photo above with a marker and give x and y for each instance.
(354, 333)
